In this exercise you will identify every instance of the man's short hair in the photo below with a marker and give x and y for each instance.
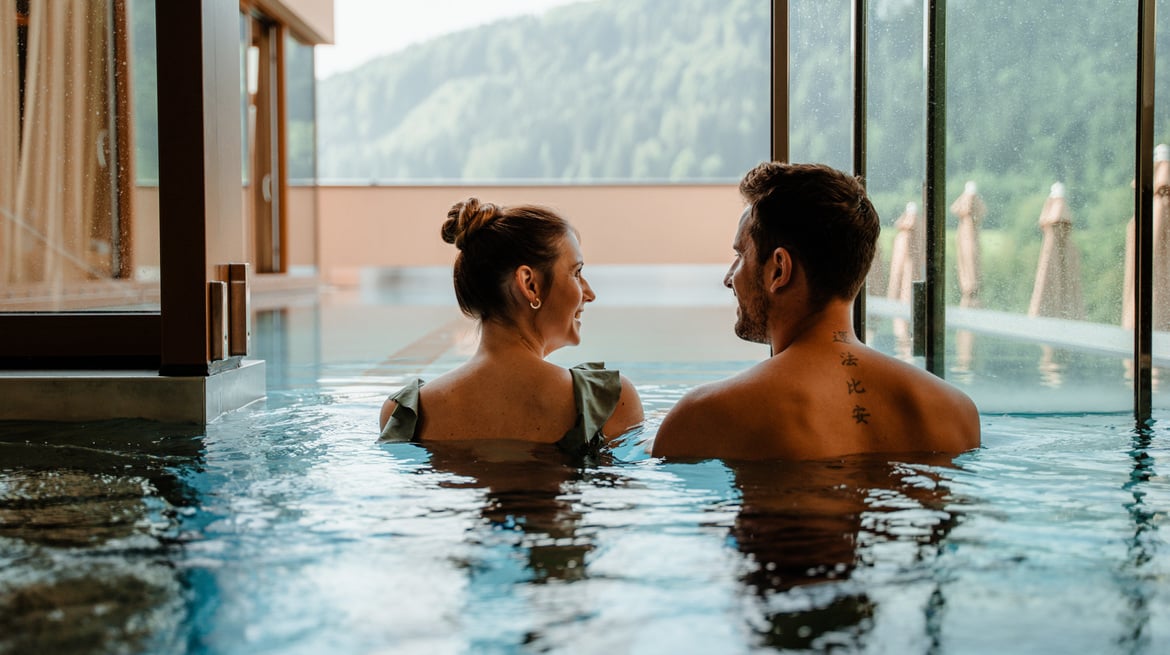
(821, 215)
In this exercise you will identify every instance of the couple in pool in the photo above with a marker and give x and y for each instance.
(802, 250)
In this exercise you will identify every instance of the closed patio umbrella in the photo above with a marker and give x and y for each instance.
(1161, 249)
(970, 209)
(906, 258)
(878, 276)
(1057, 290)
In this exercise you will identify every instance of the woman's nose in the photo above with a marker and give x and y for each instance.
(588, 290)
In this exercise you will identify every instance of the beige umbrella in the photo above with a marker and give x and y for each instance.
(906, 258)
(1161, 248)
(970, 209)
(878, 276)
(1057, 290)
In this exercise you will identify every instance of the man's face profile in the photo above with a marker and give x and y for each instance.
(744, 279)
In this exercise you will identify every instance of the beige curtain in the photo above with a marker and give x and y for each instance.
(9, 138)
(63, 187)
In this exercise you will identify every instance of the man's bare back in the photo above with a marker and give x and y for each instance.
(827, 397)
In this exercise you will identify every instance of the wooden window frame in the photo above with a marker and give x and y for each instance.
(194, 206)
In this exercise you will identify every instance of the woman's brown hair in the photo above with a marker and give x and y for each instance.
(494, 241)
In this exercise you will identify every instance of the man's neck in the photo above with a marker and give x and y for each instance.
(831, 323)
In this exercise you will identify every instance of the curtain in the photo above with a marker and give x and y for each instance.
(60, 230)
(9, 137)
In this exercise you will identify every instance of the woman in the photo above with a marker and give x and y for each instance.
(518, 273)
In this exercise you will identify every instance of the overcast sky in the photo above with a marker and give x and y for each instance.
(364, 29)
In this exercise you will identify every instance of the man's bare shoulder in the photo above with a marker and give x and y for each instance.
(942, 409)
(708, 411)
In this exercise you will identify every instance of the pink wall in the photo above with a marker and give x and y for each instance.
(302, 226)
(145, 227)
(342, 230)
(374, 226)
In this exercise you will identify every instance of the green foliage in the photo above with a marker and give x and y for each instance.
(605, 90)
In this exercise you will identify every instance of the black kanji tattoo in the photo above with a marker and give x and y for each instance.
(860, 415)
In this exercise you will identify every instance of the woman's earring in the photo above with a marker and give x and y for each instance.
(535, 304)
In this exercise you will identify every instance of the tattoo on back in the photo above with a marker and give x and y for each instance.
(853, 385)
(840, 336)
(860, 415)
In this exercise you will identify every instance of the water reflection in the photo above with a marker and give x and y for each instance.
(808, 528)
(1140, 546)
(1052, 365)
(1156, 374)
(89, 520)
(525, 501)
(903, 340)
(964, 357)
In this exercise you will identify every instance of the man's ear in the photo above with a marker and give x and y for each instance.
(780, 269)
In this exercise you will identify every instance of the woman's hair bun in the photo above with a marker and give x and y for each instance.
(465, 217)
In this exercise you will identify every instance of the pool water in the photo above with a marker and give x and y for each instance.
(285, 528)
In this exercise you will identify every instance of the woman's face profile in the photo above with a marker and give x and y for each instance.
(559, 319)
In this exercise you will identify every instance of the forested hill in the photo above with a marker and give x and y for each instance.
(607, 89)
(641, 89)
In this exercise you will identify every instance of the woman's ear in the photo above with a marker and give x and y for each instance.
(527, 283)
(779, 267)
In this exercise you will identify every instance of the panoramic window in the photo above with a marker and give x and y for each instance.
(1040, 116)
(590, 92)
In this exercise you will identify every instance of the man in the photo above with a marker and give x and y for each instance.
(802, 250)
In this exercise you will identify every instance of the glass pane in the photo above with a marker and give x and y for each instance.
(1040, 116)
(895, 170)
(301, 110)
(301, 207)
(1161, 260)
(143, 77)
(78, 135)
(588, 92)
(820, 85)
(248, 83)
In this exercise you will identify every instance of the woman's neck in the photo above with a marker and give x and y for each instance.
(500, 340)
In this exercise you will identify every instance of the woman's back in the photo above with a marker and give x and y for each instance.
(527, 402)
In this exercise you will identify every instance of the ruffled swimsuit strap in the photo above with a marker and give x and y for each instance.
(596, 391)
(404, 419)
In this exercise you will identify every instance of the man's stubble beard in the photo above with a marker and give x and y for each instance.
(752, 321)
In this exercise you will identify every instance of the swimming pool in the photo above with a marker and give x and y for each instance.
(284, 528)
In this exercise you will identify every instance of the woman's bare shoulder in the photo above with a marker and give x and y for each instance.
(628, 413)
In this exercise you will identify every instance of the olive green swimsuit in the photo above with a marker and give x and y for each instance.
(596, 391)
